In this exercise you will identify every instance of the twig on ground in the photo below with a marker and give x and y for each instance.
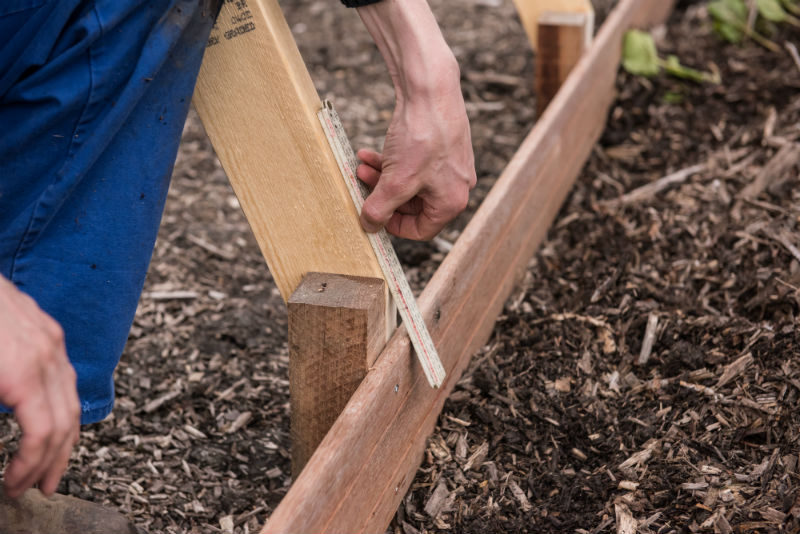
(783, 239)
(773, 172)
(649, 338)
(171, 295)
(793, 52)
(650, 190)
(734, 369)
(213, 249)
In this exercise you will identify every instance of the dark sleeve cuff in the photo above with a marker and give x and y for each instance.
(359, 3)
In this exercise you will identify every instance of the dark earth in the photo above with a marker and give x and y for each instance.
(562, 423)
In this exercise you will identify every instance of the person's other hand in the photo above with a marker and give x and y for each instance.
(39, 384)
(422, 179)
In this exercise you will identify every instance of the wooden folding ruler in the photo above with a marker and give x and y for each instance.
(392, 271)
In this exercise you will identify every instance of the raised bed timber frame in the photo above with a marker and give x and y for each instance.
(362, 468)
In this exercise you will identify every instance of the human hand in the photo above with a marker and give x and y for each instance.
(39, 384)
(422, 179)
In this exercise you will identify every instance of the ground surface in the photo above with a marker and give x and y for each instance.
(555, 427)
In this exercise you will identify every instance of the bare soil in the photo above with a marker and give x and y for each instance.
(562, 423)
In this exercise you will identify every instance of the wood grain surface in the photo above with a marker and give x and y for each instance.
(363, 467)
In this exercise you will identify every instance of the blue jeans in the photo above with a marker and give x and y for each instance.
(93, 97)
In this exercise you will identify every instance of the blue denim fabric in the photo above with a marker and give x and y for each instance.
(93, 97)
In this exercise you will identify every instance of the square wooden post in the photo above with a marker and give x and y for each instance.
(337, 329)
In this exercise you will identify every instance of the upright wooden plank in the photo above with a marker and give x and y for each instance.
(530, 11)
(335, 335)
(563, 39)
(259, 106)
(363, 467)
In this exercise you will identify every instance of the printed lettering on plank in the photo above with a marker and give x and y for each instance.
(235, 19)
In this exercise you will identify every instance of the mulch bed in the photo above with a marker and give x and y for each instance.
(567, 420)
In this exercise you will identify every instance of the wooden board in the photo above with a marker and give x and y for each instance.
(335, 335)
(363, 467)
(530, 10)
(259, 106)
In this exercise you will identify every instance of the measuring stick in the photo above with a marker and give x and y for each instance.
(387, 258)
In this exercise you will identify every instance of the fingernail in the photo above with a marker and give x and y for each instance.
(369, 227)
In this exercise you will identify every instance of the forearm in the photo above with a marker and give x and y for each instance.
(419, 61)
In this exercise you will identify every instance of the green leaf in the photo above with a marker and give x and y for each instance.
(673, 97)
(673, 66)
(771, 10)
(639, 54)
(729, 32)
(731, 10)
(791, 6)
(730, 19)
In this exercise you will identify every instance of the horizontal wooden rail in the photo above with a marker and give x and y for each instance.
(361, 470)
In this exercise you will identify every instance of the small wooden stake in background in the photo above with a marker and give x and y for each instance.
(562, 40)
(530, 12)
(336, 332)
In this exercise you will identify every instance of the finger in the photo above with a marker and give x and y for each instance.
(371, 158)
(368, 174)
(412, 207)
(51, 478)
(66, 417)
(430, 219)
(388, 195)
(418, 227)
(27, 466)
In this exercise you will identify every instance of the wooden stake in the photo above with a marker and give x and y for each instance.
(336, 331)
(259, 107)
(530, 11)
(563, 38)
(364, 466)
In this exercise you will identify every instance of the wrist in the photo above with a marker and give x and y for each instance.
(420, 63)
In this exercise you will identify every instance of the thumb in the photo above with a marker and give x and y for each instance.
(391, 192)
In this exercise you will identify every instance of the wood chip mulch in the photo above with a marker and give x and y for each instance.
(644, 378)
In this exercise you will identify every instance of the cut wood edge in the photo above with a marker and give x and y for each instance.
(530, 12)
(583, 20)
(364, 466)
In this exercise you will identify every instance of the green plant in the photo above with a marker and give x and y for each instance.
(730, 19)
(791, 6)
(673, 97)
(773, 11)
(640, 57)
